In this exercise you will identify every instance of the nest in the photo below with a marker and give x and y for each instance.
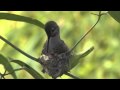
(56, 65)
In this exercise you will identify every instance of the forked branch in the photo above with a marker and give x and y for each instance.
(99, 17)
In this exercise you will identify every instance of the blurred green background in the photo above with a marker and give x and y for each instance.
(103, 62)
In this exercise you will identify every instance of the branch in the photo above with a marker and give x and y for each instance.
(14, 71)
(99, 16)
(19, 50)
(70, 75)
(4, 74)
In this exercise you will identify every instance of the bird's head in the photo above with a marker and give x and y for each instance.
(51, 29)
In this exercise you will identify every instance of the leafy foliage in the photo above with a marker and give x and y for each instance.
(14, 17)
(76, 57)
(103, 62)
(29, 69)
(4, 61)
(115, 15)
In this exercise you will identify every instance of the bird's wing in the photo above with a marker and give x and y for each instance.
(61, 48)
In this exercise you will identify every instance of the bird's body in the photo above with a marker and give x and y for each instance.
(54, 60)
(54, 45)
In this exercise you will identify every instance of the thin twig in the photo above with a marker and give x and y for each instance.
(5, 71)
(19, 50)
(13, 71)
(99, 16)
(2, 75)
(72, 75)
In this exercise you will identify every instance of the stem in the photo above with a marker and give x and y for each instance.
(14, 71)
(19, 50)
(99, 16)
(72, 75)
(2, 75)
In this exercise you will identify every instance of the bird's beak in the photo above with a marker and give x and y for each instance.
(48, 43)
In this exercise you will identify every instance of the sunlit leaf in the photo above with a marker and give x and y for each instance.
(75, 58)
(4, 61)
(29, 69)
(115, 15)
(14, 17)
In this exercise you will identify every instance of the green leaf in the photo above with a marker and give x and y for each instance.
(75, 58)
(115, 15)
(14, 17)
(5, 62)
(29, 69)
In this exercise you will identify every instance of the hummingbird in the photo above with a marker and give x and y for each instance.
(54, 45)
(54, 48)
